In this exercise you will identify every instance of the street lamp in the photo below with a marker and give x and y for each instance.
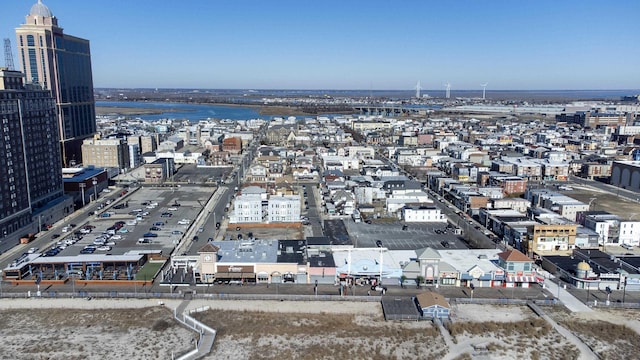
(82, 186)
(94, 181)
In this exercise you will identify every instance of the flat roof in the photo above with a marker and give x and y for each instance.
(37, 259)
(464, 260)
(82, 174)
(245, 251)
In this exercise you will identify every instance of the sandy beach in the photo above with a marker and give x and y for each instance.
(79, 328)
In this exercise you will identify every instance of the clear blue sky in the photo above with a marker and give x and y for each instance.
(512, 45)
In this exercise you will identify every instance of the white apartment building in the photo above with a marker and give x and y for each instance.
(247, 209)
(423, 214)
(630, 233)
(284, 208)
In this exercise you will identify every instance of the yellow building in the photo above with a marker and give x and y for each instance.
(551, 239)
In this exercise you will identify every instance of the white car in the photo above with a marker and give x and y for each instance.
(116, 237)
(104, 248)
(184, 222)
(32, 250)
(106, 191)
(172, 209)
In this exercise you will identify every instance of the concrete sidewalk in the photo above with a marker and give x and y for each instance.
(568, 300)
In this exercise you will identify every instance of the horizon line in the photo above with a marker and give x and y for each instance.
(327, 89)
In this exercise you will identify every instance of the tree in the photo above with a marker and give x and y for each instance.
(403, 278)
(419, 280)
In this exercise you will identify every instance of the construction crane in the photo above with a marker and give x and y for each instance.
(8, 55)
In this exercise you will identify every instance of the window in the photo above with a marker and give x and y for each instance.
(510, 266)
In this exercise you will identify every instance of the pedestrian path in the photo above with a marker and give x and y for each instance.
(207, 335)
(585, 351)
(563, 296)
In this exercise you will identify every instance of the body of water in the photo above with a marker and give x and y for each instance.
(191, 112)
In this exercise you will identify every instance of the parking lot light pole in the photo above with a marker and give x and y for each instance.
(94, 181)
(82, 186)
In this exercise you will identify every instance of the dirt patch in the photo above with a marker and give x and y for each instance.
(265, 232)
(146, 333)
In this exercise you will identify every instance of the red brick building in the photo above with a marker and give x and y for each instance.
(232, 145)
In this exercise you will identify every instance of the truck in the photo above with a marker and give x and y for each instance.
(27, 238)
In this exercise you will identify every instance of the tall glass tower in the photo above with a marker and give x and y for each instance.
(60, 63)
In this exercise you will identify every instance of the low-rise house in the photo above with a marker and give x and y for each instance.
(433, 305)
(518, 268)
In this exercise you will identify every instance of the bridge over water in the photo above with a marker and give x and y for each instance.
(392, 110)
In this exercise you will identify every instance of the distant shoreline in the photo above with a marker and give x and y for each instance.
(261, 109)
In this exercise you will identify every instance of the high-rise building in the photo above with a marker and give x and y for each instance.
(29, 157)
(60, 63)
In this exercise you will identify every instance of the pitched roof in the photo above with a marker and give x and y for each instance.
(513, 255)
(429, 298)
(209, 248)
(428, 253)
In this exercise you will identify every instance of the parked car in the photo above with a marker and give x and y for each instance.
(176, 232)
(104, 248)
(32, 250)
(154, 228)
(159, 223)
(172, 209)
(150, 234)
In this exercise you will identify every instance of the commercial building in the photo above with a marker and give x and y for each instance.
(108, 153)
(626, 174)
(159, 170)
(84, 185)
(32, 192)
(60, 63)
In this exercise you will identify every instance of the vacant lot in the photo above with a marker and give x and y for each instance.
(265, 232)
(604, 201)
(68, 334)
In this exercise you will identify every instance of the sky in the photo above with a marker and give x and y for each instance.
(379, 45)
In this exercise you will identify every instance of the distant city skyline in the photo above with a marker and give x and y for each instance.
(533, 45)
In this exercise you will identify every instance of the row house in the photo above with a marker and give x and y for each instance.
(559, 203)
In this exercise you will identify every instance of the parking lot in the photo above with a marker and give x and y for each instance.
(393, 237)
(162, 222)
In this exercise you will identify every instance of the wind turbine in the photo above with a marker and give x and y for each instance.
(418, 88)
(484, 89)
(447, 93)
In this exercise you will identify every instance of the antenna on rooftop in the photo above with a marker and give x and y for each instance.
(418, 88)
(8, 55)
(484, 89)
(447, 92)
